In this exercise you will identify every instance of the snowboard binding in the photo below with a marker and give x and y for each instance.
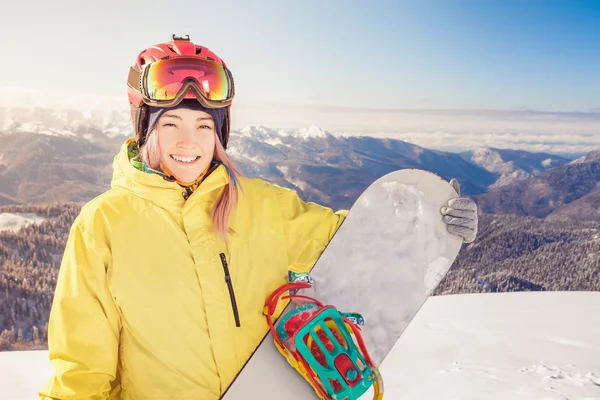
(324, 345)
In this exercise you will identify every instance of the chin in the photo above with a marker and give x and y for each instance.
(187, 177)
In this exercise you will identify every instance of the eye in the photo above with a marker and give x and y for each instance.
(205, 127)
(169, 124)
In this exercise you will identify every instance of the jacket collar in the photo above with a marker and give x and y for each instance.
(155, 188)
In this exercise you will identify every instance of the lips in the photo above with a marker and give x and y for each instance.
(185, 159)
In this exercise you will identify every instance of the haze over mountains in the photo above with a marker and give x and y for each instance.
(49, 155)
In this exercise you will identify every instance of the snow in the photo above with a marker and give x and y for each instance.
(490, 160)
(312, 132)
(23, 373)
(255, 159)
(274, 141)
(518, 346)
(547, 162)
(14, 222)
(234, 150)
(493, 162)
(299, 183)
(257, 131)
(509, 177)
(591, 156)
(262, 132)
(527, 345)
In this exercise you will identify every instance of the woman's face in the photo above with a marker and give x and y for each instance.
(186, 139)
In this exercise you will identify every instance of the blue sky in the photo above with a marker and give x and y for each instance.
(445, 74)
(528, 54)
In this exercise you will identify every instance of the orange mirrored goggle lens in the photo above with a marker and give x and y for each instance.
(163, 79)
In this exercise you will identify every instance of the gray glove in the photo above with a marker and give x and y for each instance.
(461, 216)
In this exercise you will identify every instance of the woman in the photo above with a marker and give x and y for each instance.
(162, 285)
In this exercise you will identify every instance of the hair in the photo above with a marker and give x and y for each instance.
(227, 202)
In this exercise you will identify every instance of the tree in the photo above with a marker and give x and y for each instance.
(36, 335)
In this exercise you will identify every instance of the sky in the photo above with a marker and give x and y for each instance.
(515, 55)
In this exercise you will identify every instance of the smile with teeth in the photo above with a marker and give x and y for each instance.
(184, 159)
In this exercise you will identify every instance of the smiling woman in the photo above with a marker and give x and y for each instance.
(182, 143)
(164, 277)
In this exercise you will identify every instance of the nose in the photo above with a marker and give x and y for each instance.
(186, 139)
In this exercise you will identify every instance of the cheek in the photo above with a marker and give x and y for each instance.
(163, 142)
(208, 145)
(163, 146)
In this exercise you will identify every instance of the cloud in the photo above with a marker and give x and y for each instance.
(558, 132)
(383, 120)
(450, 141)
(452, 130)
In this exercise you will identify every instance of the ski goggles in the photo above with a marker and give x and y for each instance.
(164, 83)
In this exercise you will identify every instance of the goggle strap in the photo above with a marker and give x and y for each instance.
(133, 80)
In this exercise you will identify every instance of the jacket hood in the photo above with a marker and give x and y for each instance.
(155, 188)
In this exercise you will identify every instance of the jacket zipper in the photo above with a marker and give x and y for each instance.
(188, 192)
(236, 314)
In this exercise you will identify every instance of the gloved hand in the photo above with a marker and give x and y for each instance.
(461, 216)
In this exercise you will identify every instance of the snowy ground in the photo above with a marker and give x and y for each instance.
(14, 222)
(533, 346)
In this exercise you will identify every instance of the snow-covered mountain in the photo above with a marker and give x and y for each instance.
(586, 208)
(548, 192)
(262, 132)
(518, 346)
(333, 169)
(107, 122)
(329, 169)
(589, 157)
(69, 157)
(66, 122)
(512, 165)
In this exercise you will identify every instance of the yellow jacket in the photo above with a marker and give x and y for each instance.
(142, 309)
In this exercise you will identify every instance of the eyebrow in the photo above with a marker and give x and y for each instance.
(197, 119)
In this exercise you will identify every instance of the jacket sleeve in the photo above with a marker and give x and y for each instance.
(84, 325)
(308, 228)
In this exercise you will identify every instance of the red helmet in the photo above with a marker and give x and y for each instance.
(177, 47)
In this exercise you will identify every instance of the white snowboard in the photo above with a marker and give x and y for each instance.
(385, 260)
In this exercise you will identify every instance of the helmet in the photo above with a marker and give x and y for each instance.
(177, 47)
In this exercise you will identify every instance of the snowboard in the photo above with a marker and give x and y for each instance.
(384, 261)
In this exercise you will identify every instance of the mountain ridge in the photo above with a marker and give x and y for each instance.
(68, 154)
